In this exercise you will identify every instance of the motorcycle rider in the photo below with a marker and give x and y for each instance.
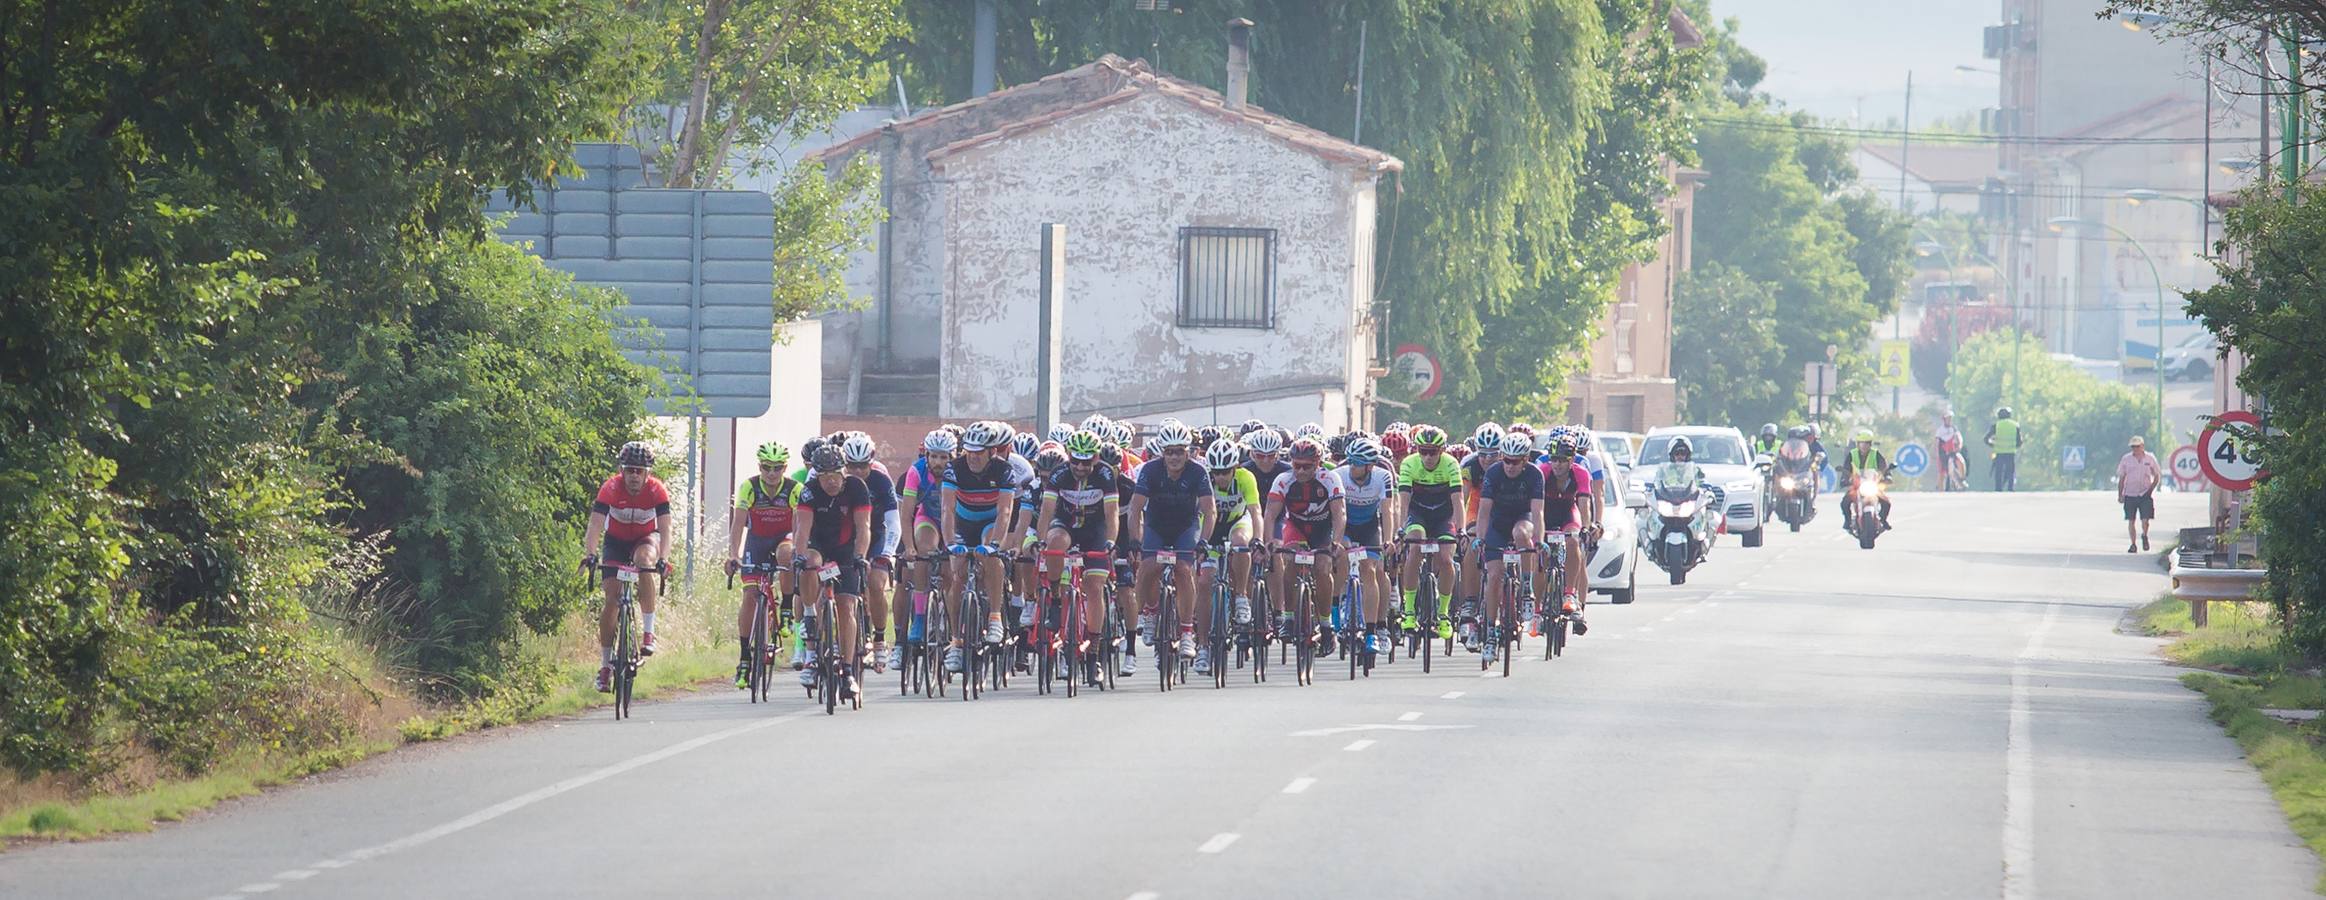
(1863, 458)
(1767, 442)
(2006, 440)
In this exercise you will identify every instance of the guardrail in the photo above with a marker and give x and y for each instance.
(2204, 572)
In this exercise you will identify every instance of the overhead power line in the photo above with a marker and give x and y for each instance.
(1942, 137)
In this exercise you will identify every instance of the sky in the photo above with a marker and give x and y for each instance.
(1840, 58)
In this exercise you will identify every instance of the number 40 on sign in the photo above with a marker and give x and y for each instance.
(2227, 461)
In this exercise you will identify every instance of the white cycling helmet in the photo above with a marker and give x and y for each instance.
(940, 441)
(1517, 444)
(1096, 423)
(1487, 439)
(1309, 430)
(858, 448)
(1119, 432)
(1266, 440)
(1223, 455)
(1025, 444)
(1060, 431)
(981, 436)
(1173, 434)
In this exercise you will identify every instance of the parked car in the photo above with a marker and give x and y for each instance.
(1619, 447)
(1614, 569)
(2192, 359)
(1728, 466)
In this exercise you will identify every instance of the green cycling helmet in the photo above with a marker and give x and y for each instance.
(1429, 436)
(774, 454)
(1082, 445)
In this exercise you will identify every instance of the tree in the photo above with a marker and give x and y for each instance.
(1724, 335)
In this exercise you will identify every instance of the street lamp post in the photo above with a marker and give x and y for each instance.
(2061, 223)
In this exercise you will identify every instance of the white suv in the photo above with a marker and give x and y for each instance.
(1728, 465)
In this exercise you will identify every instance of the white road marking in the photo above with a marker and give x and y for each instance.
(1452, 695)
(2019, 773)
(1378, 726)
(1712, 603)
(577, 782)
(294, 875)
(1218, 842)
(1143, 895)
(259, 888)
(1645, 628)
(1671, 617)
(1408, 717)
(328, 864)
(1355, 746)
(1299, 785)
(1691, 609)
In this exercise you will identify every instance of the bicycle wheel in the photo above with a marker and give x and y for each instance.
(1426, 596)
(625, 659)
(1222, 604)
(828, 658)
(1109, 651)
(1510, 629)
(755, 667)
(1303, 631)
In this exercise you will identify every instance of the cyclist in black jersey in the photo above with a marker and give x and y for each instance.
(1078, 511)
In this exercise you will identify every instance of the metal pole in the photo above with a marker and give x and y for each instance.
(981, 49)
(1357, 128)
(1905, 141)
(1050, 328)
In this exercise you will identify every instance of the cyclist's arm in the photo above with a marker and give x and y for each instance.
(595, 531)
(1534, 512)
(662, 527)
(739, 521)
(1138, 507)
(1007, 501)
(803, 523)
(1340, 508)
(1113, 507)
(1049, 509)
(948, 499)
(1485, 509)
(1207, 510)
(1270, 515)
(863, 516)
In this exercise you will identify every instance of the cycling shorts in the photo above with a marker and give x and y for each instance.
(1496, 535)
(851, 580)
(1184, 541)
(758, 550)
(615, 550)
(1363, 534)
(1090, 535)
(971, 532)
(1315, 535)
(1225, 530)
(1435, 523)
(1559, 518)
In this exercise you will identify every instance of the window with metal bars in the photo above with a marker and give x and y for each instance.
(1227, 277)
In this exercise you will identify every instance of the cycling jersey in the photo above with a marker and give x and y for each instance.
(1596, 469)
(630, 517)
(1363, 501)
(924, 491)
(1171, 499)
(768, 512)
(1430, 487)
(1241, 496)
(1306, 501)
(1080, 500)
(977, 493)
(833, 533)
(1513, 494)
(1562, 503)
(1265, 479)
(882, 489)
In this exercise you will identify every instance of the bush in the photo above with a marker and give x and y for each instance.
(2058, 406)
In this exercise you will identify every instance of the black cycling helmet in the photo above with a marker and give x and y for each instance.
(826, 459)
(2003, 412)
(1249, 426)
(808, 450)
(636, 453)
(1338, 446)
(1049, 459)
(1111, 454)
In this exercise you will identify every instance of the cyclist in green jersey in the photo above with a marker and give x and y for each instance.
(1237, 496)
(1431, 480)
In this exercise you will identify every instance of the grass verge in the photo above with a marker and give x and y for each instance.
(2237, 638)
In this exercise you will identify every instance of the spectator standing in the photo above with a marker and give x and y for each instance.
(2004, 436)
(2137, 476)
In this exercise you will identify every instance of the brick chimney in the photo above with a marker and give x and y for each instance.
(1239, 61)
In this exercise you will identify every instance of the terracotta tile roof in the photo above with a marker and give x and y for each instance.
(1133, 79)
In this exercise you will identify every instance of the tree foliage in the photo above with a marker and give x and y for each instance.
(1533, 133)
(2058, 406)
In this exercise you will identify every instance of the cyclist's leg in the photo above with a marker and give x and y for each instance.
(1578, 576)
(926, 540)
(647, 556)
(811, 593)
(1147, 584)
(1240, 564)
(847, 591)
(1184, 544)
(610, 551)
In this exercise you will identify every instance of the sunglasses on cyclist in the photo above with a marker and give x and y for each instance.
(1174, 451)
(1304, 467)
(633, 470)
(1082, 463)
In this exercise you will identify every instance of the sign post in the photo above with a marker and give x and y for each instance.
(1895, 365)
(2071, 458)
(1818, 380)
(1419, 368)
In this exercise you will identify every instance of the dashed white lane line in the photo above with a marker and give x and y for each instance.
(1671, 617)
(328, 864)
(294, 875)
(1408, 717)
(259, 888)
(1300, 785)
(1143, 895)
(1691, 609)
(1218, 842)
(1355, 746)
(1645, 628)
(1452, 695)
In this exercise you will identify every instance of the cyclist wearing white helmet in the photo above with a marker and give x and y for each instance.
(924, 491)
(979, 492)
(1264, 457)
(1237, 497)
(1369, 494)
(1171, 510)
(858, 458)
(1485, 450)
(1510, 517)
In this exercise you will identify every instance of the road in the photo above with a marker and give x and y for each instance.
(1948, 715)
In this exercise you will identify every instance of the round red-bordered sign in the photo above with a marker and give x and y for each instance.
(2227, 463)
(2188, 466)
(1414, 363)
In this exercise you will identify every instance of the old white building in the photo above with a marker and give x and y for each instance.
(1215, 254)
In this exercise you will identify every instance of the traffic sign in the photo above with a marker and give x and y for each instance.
(2071, 458)
(1913, 460)
(2188, 467)
(1414, 363)
(2226, 460)
(1818, 379)
(1892, 365)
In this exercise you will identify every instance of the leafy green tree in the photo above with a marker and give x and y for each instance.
(1724, 333)
(2058, 406)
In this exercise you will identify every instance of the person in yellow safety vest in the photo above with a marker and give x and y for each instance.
(2004, 437)
(1862, 457)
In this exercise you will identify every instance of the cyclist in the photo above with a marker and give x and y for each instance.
(1485, 453)
(630, 515)
(834, 513)
(1567, 511)
(1113, 458)
(1369, 493)
(1236, 497)
(1951, 474)
(924, 492)
(1172, 509)
(1078, 511)
(1431, 482)
(759, 532)
(1510, 515)
(1305, 511)
(856, 456)
(979, 488)
(1264, 457)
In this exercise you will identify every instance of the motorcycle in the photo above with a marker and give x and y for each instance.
(1865, 514)
(1682, 537)
(1793, 485)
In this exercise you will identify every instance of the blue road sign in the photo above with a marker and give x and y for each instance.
(2071, 459)
(1913, 460)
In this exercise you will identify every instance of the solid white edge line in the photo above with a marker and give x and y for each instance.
(2019, 772)
(1300, 785)
(259, 888)
(294, 874)
(1355, 746)
(1218, 842)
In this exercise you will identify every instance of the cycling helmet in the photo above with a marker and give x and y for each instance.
(1210, 434)
(1545, 441)
(1060, 431)
(1009, 435)
(1362, 452)
(980, 436)
(1306, 450)
(1487, 439)
(1517, 444)
(1111, 455)
(1025, 444)
(1119, 432)
(1680, 445)
(1095, 422)
(1459, 452)
(1429, 436)
(1049, 460)
(1082, 445)
(2003, 412)
(774, 454)
(1223, 455)
(810, 446)
(956, 429)
(1769, 430)
(636, 453)
(1562, 448)
(1799, 433)
(858, 448)
(1249, 426)
(827, 459)
(1309, 430)
(1338, 446)
(1397, 443)
(1173, 434)
(1396, 426)
(1264, 441)
(1520, 428)
(1865, 436)
(940, 441)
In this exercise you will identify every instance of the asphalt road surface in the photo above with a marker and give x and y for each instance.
(1949, 715)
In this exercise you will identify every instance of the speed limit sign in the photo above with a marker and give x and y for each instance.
(2226, 460)
(2188, 467)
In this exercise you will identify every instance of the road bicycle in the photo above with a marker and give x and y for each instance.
(1224, 633)
(626, 656)
(1349, 617)
(1302, 596)
(1501, 625)
(1169, 667)
(771, 625)
(1422, 640)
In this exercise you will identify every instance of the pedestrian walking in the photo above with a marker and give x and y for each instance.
(2004, 437)
(2137, 476)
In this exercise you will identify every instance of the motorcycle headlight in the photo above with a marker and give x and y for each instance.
(1785, 481)
(1667, 508)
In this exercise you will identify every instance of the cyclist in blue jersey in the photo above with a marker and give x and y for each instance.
(978, 489)
(1369, 494)
(1171, 510)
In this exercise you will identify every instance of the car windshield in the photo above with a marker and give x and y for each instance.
(1708, 449)
(1615, 448)
(2202, 340)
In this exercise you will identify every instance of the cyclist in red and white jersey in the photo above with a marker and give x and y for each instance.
(1305, 511)
(627, 523)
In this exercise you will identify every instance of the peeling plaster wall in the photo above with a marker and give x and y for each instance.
(1124, 179)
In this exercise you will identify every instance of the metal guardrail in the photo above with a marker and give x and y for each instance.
(2204, 572)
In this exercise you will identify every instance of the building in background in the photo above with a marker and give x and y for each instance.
(1629, 386)
(1935, 177)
